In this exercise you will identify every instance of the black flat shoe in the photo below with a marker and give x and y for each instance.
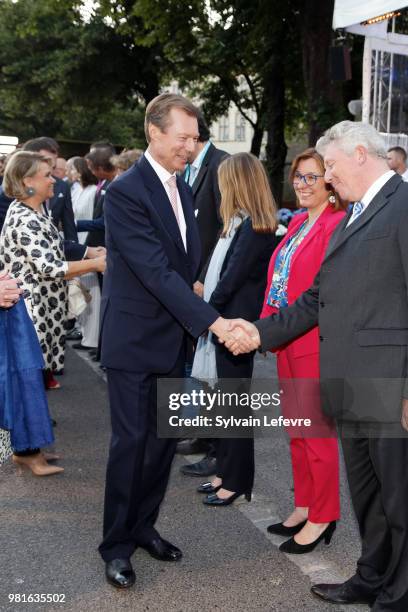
(293, 548)
(119, 573)
(162, 550)
(214, 500)
(207, 487)
(281, 529)
(206, 467)
(344, 593)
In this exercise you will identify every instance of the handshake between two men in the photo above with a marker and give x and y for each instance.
(238, 335)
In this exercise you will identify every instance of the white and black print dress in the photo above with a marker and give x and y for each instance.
(5, 448)
(31, 249)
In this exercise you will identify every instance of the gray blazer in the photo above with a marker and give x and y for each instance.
(359, 300)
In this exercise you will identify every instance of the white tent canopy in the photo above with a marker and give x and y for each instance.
(350, 12)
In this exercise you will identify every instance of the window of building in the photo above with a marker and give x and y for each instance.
(223, 127)
(239, 127)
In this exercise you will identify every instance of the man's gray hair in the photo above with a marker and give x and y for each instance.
(350, 134)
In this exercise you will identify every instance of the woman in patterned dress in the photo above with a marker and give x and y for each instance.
(31, 250)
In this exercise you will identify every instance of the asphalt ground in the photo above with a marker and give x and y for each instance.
(50, 528)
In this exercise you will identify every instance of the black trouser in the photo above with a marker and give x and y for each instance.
(139, 462)
(377, 472)
(235, 456)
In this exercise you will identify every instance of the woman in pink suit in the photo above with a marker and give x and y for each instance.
(292, 268)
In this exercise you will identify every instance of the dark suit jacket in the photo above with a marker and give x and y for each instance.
(207, 200)
(147, 303)
(96, 236)
(241, 288)
(359, 300)
(61, 211)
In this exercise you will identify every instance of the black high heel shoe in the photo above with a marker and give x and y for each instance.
(214, 500)
(293, 548)
(281, 529)
(208, 488)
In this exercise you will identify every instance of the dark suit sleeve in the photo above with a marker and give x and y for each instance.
(290, 322)
(90, 225)
(403, 245)
(131, 230)
(244, 257)
(4, 204)
(74, 251)
(67, 217)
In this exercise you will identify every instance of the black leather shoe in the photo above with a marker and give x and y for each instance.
(119, 573)
(206, 467)
(162, 550)
(281, 529)
(192, 447)
(80, 347)
(344, 593)
(207, 487)
(75, 334)
(214, 500)
(293, 548)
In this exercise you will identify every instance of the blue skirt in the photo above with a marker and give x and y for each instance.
(23, 403)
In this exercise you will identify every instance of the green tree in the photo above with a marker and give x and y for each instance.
(66, 77)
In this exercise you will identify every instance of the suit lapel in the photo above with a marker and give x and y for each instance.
(161, 202)
(379, 201)
(203, 169)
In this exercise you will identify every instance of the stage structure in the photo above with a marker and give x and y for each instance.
(385, 64)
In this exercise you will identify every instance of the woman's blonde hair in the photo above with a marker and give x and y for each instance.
(244, 190)
(21, 165)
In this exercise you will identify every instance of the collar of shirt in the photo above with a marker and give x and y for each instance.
(164, 176)
(199, 159)
(161, 172)
(375, 188)
(404, 175)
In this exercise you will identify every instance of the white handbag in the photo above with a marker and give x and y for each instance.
(78, 298)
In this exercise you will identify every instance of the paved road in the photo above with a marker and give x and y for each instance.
(50, 528)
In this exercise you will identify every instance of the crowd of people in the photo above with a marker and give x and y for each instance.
(182, 274)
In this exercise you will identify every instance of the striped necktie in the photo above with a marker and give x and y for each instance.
(172, 183)
(358, 208)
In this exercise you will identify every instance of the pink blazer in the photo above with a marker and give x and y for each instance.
(305, 264)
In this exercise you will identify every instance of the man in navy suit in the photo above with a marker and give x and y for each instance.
(148, 311)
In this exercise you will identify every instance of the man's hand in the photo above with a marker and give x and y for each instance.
(404, 416)
(243, 337)
(9, 291)
(221, 328)
(94, 252)
(198, 289)
(100, 264)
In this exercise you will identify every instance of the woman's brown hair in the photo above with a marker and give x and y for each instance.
(311, 153)
(244, 190)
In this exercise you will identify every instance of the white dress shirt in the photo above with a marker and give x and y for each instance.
(164, 176)
(404, 175)
(370, 194)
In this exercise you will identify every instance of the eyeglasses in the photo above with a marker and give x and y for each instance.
(308, 179)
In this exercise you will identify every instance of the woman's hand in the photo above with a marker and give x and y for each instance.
(9, 291)
(100, 263)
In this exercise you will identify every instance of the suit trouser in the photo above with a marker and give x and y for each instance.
(139, 462)
(235, 456)
(377, 472)
(315, 460)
